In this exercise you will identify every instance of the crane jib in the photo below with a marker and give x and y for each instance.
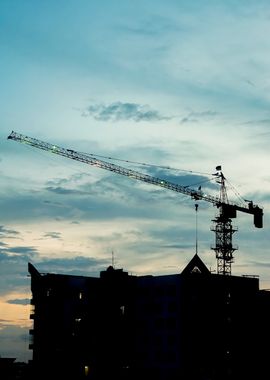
(228, 209)
(222, 223)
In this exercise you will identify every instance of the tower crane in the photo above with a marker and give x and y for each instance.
(223, 228)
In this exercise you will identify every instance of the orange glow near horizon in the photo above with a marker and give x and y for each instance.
(12, 314)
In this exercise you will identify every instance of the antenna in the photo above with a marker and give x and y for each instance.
(196, 209)
(112, 259)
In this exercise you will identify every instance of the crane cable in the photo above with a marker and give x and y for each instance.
(144, 164)
(93, 155)
(168, 168)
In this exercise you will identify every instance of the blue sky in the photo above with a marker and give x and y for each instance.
(177, 83)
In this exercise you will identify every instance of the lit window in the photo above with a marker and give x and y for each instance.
(80, 295)
(86, 370)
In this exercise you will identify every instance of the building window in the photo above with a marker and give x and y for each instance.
(86, 370)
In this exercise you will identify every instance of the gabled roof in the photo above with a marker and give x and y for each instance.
(195, 266)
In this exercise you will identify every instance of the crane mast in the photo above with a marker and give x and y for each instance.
(222, 223)
(224, 231)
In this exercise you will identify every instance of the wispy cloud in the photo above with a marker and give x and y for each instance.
(79, 265)
(118, 111)
(14, 267)
(186, 180)
(15, 339)
(7, 232)
(260, 264)
(19, 301)
(17, 251)
(193, 117)
(53, 235)
(259, 122)
(249, 82)
(63, 190)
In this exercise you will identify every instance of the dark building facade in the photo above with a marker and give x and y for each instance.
(191, 325)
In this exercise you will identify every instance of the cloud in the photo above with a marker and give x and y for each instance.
(188, 120)
(79, 265)
(193, 117)
(7, 233)
(260, 264)
(73, 178)
(53, 235)
(186, 180)
(5, 322)
(123, 111)
(249, 82)
(65, 198)
(19, 301)
(15, 341)
(13, 268)
(62, 190)
(183, 246)
(154, 27)
(18, 251)
(258, 122)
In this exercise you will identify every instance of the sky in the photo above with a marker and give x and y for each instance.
(173, 84)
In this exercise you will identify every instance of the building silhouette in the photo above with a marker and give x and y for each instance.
(190, 325)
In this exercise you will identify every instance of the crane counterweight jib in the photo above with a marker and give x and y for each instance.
(258, 217)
